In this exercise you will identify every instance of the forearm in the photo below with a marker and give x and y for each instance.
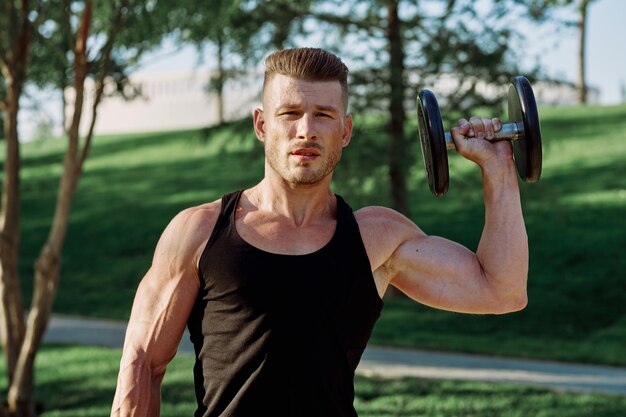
(138, 391)
(503, 248)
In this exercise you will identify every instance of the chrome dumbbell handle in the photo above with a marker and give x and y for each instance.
(509, 131)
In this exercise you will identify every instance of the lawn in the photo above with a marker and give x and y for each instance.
(575, 216)
(80, 382)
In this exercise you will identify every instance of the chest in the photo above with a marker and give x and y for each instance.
(273, 235)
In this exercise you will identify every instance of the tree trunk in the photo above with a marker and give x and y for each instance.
(398, 152)
(11, 308)
(582, 25)
(20, 398)
(13, 63)
(63, 115)
(47, 266)
(219, 81)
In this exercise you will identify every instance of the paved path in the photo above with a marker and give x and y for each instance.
(389, 362)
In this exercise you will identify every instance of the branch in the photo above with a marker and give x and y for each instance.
(83, 30)
(116, 24)
(67, 26)
(449, 9)
(4, 65)
(12, 16)
(24, 10)
(297, 11)
(21, 55)
(3, 42)
(88, 139)
(80, 68)
(105, 56)
(40, 13)
(344, 21)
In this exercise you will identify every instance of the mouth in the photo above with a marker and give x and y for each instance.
(306, 154)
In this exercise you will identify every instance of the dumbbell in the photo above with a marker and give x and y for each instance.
(523, 131)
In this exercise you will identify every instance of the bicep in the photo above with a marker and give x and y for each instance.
(442, 274)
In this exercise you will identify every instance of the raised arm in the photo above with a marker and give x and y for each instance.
(160, 311)
(444, 274)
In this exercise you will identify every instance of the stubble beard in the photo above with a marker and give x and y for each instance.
(301, 173)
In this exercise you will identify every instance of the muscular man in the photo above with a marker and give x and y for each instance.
(280, 284)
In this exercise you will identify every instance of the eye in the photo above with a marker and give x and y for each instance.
(324, 115)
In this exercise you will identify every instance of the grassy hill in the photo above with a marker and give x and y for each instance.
(576, 220)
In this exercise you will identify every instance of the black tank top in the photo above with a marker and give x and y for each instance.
(281, 335)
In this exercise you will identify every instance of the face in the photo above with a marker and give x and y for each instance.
(304, 128)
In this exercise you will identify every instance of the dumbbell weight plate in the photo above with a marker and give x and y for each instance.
(526, 150)
(432, 142)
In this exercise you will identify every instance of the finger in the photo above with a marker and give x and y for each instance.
(464, 126)
(497, 124)
(478, 127)
(467, 128)
(462, 129)
(487, 123)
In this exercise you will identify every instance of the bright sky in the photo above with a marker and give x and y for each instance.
(556, 50)
(606, 53)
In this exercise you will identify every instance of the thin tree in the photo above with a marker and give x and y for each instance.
(93, 53)
(583, 7)
(403, 47)
(15, 37)
(543, 10)
(238, 32)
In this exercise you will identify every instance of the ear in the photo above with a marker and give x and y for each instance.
(347, 130)
(259, 124)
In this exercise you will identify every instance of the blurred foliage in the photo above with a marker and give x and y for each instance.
(545, 10)
(396, 48)
(439, 39)
(241, 32)
(142, 27)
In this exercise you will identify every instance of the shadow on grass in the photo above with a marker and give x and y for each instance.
(582, 123)
(116, 220)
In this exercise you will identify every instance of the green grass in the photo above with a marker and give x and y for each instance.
(134, 184)
(80, 382)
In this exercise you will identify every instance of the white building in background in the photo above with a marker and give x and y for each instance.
(547, 93)
(170, 101)
(179, 100)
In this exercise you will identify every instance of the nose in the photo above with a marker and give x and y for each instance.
(306, 128)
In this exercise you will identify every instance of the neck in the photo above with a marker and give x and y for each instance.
(301, 204)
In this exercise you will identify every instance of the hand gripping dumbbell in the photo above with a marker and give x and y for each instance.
(523, 130)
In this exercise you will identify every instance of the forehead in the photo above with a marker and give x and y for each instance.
(282, 90)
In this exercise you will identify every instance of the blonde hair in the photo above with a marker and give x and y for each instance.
(308, 64)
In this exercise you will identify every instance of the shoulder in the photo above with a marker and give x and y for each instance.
(196, 219)
(383, 230)
(378, 216)
(187, 233)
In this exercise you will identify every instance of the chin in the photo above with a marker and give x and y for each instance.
(311, 178)
(304, 181)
